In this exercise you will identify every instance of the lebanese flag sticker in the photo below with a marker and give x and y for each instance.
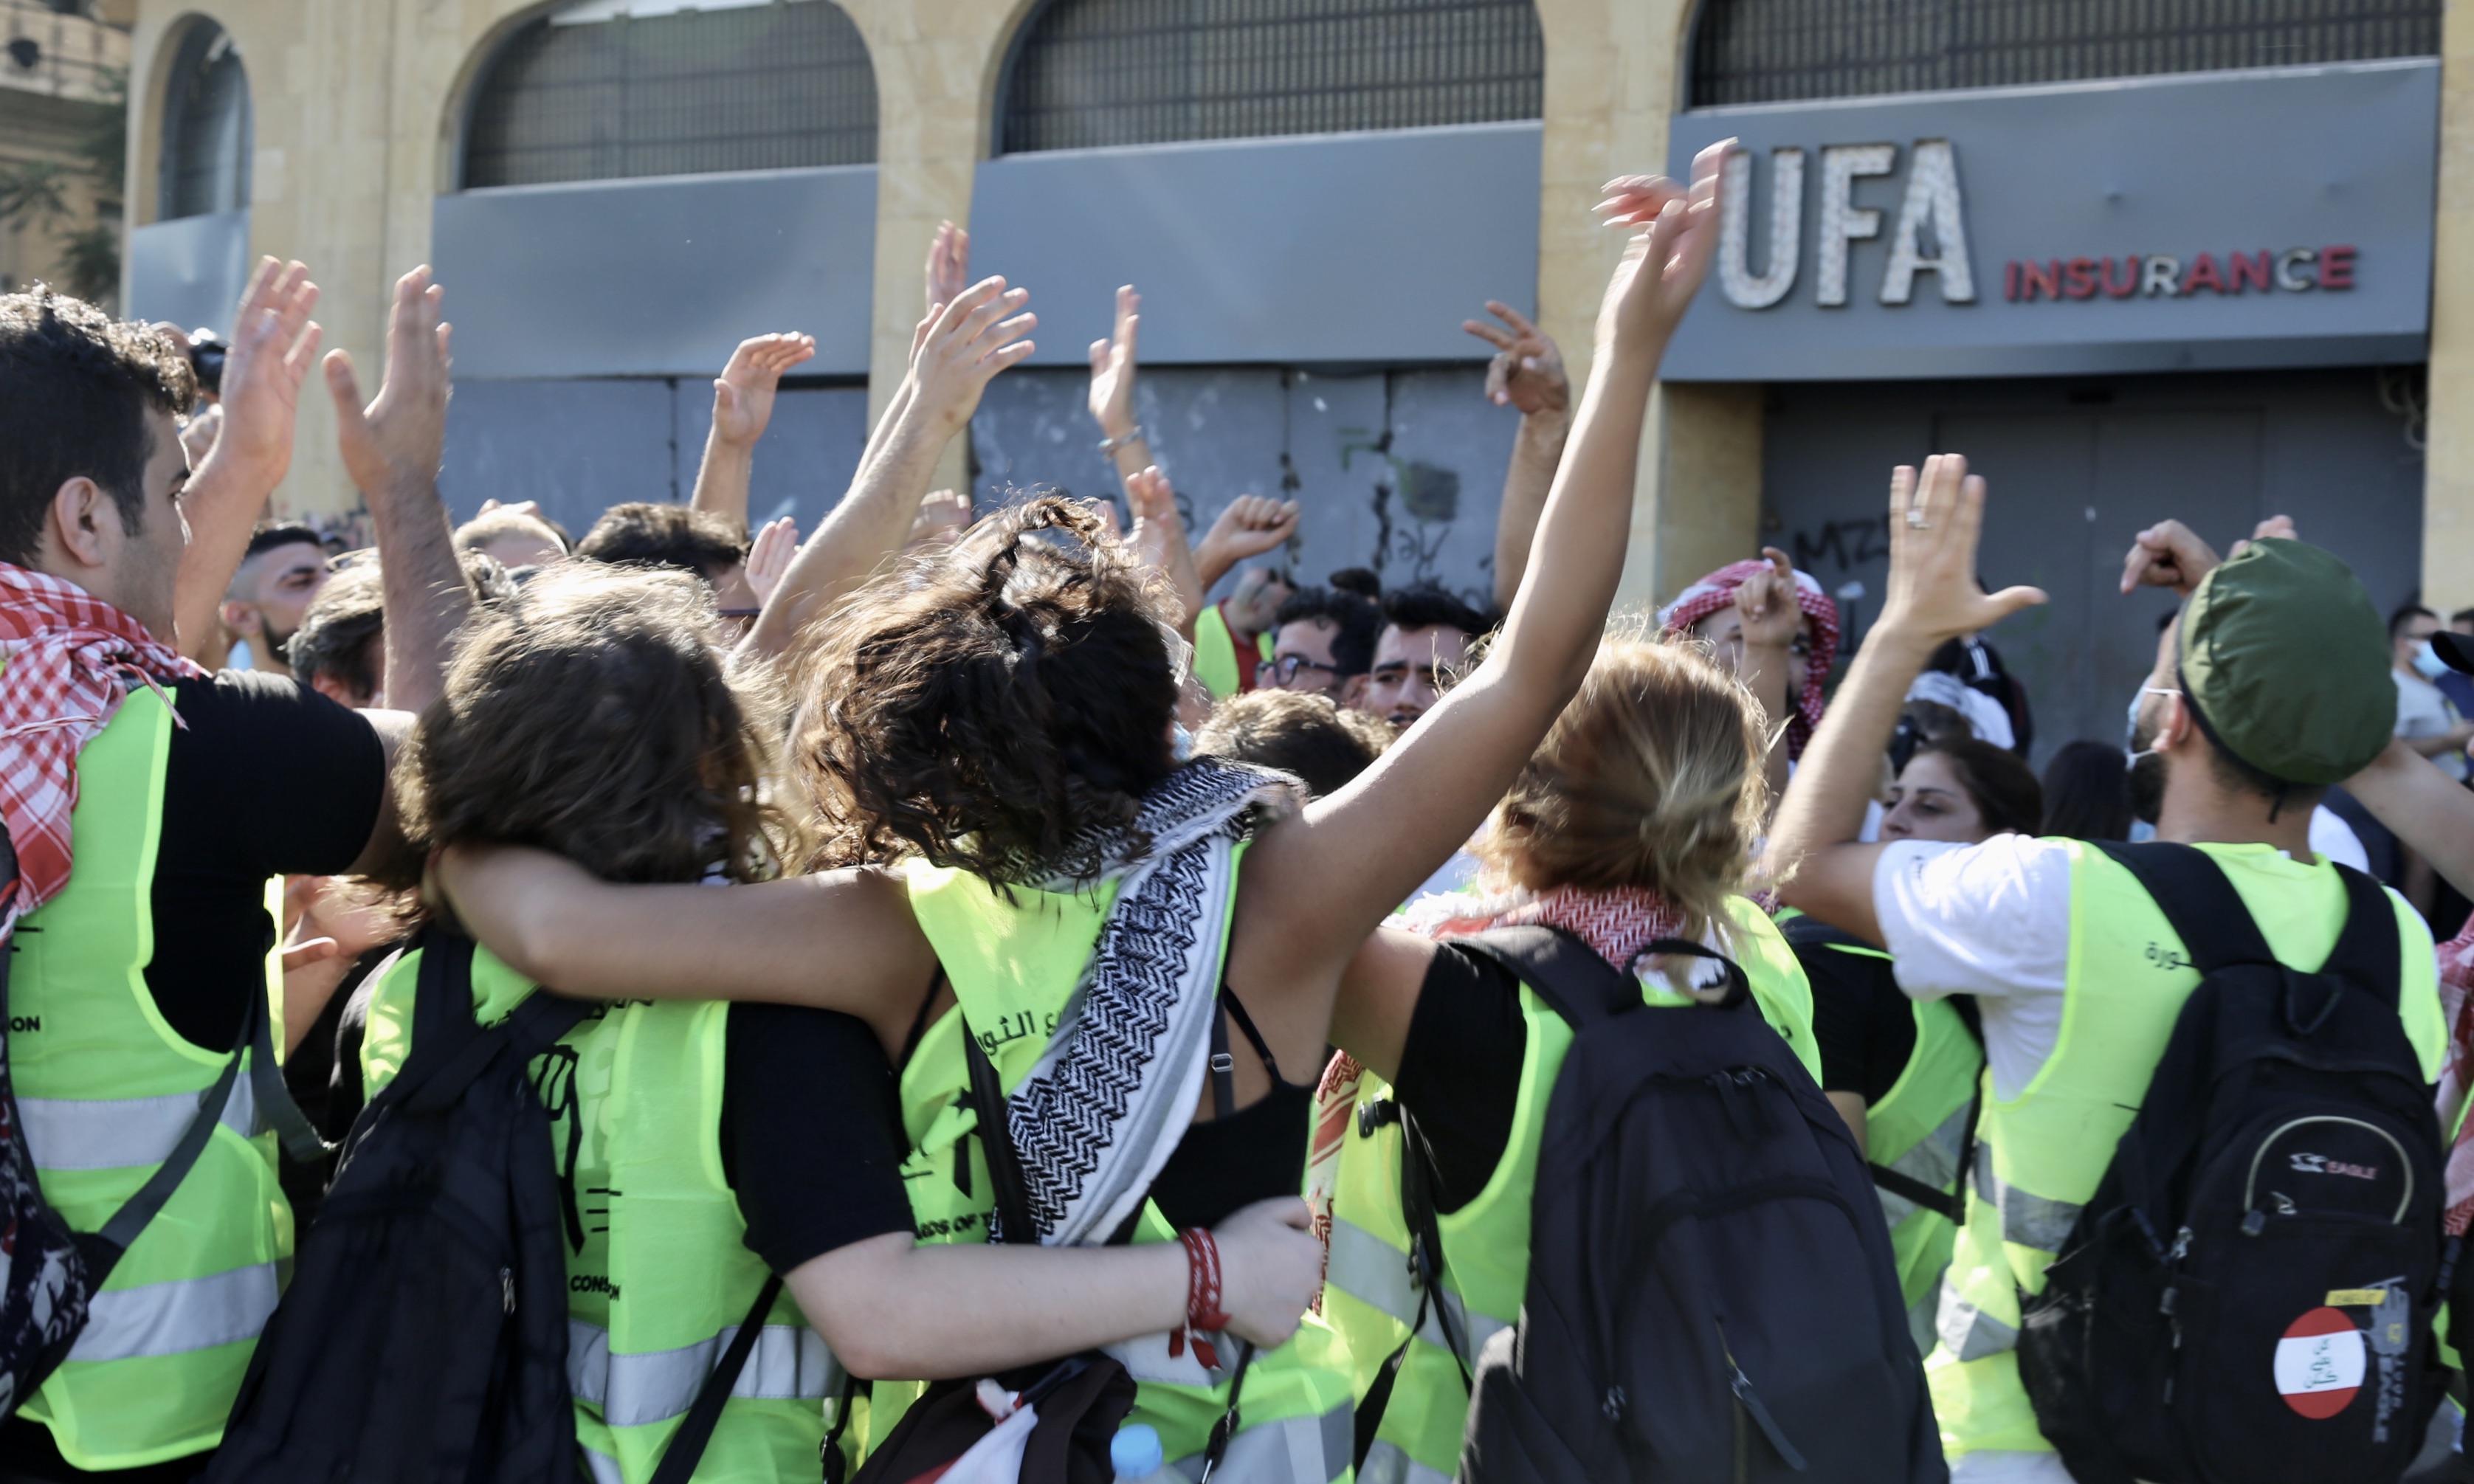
(2319, 1363)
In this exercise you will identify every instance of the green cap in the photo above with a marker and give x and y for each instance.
(2287, 662)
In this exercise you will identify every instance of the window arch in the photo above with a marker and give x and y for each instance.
(1098, 72)
(1768, 50)
(614, 88)
(206, 125)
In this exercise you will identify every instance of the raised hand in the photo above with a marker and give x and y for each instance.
(1112, 369)
(198, 434)
(968, 342)
(2280, 526)
(2169, 555)
(949, 266)
(1664, 263)
(944, 516)
(1767, 603)
(768, 556)
(397, 440)
(274, 344)
(1935, 522)
(742, 394)
(1250, 526)
(1527, 371)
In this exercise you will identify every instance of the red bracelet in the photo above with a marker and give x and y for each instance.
(1203, 1294)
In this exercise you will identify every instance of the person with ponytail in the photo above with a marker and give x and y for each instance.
(1018, 880)
(1633, 821)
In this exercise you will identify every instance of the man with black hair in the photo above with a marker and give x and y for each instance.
(153, 807)
(2426, 718)
(1424, 648)
(339, 650)
(680, 537)
(280, 571)
(1323, 643)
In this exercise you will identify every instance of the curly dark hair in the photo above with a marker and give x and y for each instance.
(75, 388)
(1356, 623)
(590, 713)
(679, 537)
(997, 706)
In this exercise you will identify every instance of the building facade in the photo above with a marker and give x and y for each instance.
(2211, 260)
(62, 69)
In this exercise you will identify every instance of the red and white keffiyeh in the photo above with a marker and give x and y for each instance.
(66, 661)
(2457, 1072)
(1718, 591)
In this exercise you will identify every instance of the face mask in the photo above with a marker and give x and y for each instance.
(1180, 743)
(2427, 662)
(2147, 770)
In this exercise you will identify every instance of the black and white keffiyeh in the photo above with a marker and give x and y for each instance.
(1113, 1091)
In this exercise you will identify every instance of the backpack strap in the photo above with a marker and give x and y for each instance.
(996, 1141)
(687, 1445)
(2367, 954)
(450, 1047)
(1562, 970)
(2205, 911)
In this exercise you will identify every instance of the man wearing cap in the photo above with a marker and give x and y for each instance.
(2272, 686)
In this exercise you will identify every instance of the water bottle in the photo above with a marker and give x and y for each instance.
(1136, 1454)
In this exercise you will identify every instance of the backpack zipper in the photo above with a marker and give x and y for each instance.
(1748, 1403)
(2250, 1185)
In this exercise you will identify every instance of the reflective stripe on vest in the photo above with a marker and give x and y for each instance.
(1386, 1464)
(2027, 1219)
(112, 1133)
(1933, 1161)
(1967, 1331)
(1286, 1451)
(789, 1363)
(174, 1318)
(1373, 1271)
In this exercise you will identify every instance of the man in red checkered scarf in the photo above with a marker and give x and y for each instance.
(1709, 610)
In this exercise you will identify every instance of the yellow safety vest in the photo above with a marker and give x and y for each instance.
(1218, 663)
(105, 1088)
(1369, 1296)
(2041, 1153)
(1014, 960)
(662, 1278)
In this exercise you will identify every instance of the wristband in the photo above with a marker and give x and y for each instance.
(1202, 1297)
(1133, 434)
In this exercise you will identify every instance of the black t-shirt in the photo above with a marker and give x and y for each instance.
(1460, 1069)
(1864, 1023)
(812, 1136)
(267, 778)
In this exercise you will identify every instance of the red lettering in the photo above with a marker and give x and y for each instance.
(2129, 284)
(2336, 267)
(2079, 279)
(2033, 277)
(2010, 279)
(2203, 274)
(2247, 270)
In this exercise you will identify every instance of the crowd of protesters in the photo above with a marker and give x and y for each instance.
(1017, 838)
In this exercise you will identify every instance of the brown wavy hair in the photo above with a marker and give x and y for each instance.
(994, 706)
(591, 713)
(1650, 778)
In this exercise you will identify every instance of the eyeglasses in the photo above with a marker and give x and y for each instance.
(1284, 669)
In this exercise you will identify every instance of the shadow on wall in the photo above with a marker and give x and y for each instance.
(1398, 471)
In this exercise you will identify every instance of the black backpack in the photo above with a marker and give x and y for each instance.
(1711, 1295)
(424, 1337)
(2249, 1293)
(48, 1271)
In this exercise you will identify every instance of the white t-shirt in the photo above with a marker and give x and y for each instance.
(1994, 920)
(2423, 710)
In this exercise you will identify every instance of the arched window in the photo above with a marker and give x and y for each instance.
(206, 125)
(614, 88)
(1770, 51)
(1094, 72)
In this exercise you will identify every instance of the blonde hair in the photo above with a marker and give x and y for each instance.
(1651, 778)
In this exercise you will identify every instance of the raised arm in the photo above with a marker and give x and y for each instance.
(1159, 536)
(1527, 372)
(842, 940)
(274, 344)
(971, 339)
(1814, 855)
(2428, 809)
(1316, 885)
(743, 403)
(392, 448)
(1772, 620)
(1246, 526)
